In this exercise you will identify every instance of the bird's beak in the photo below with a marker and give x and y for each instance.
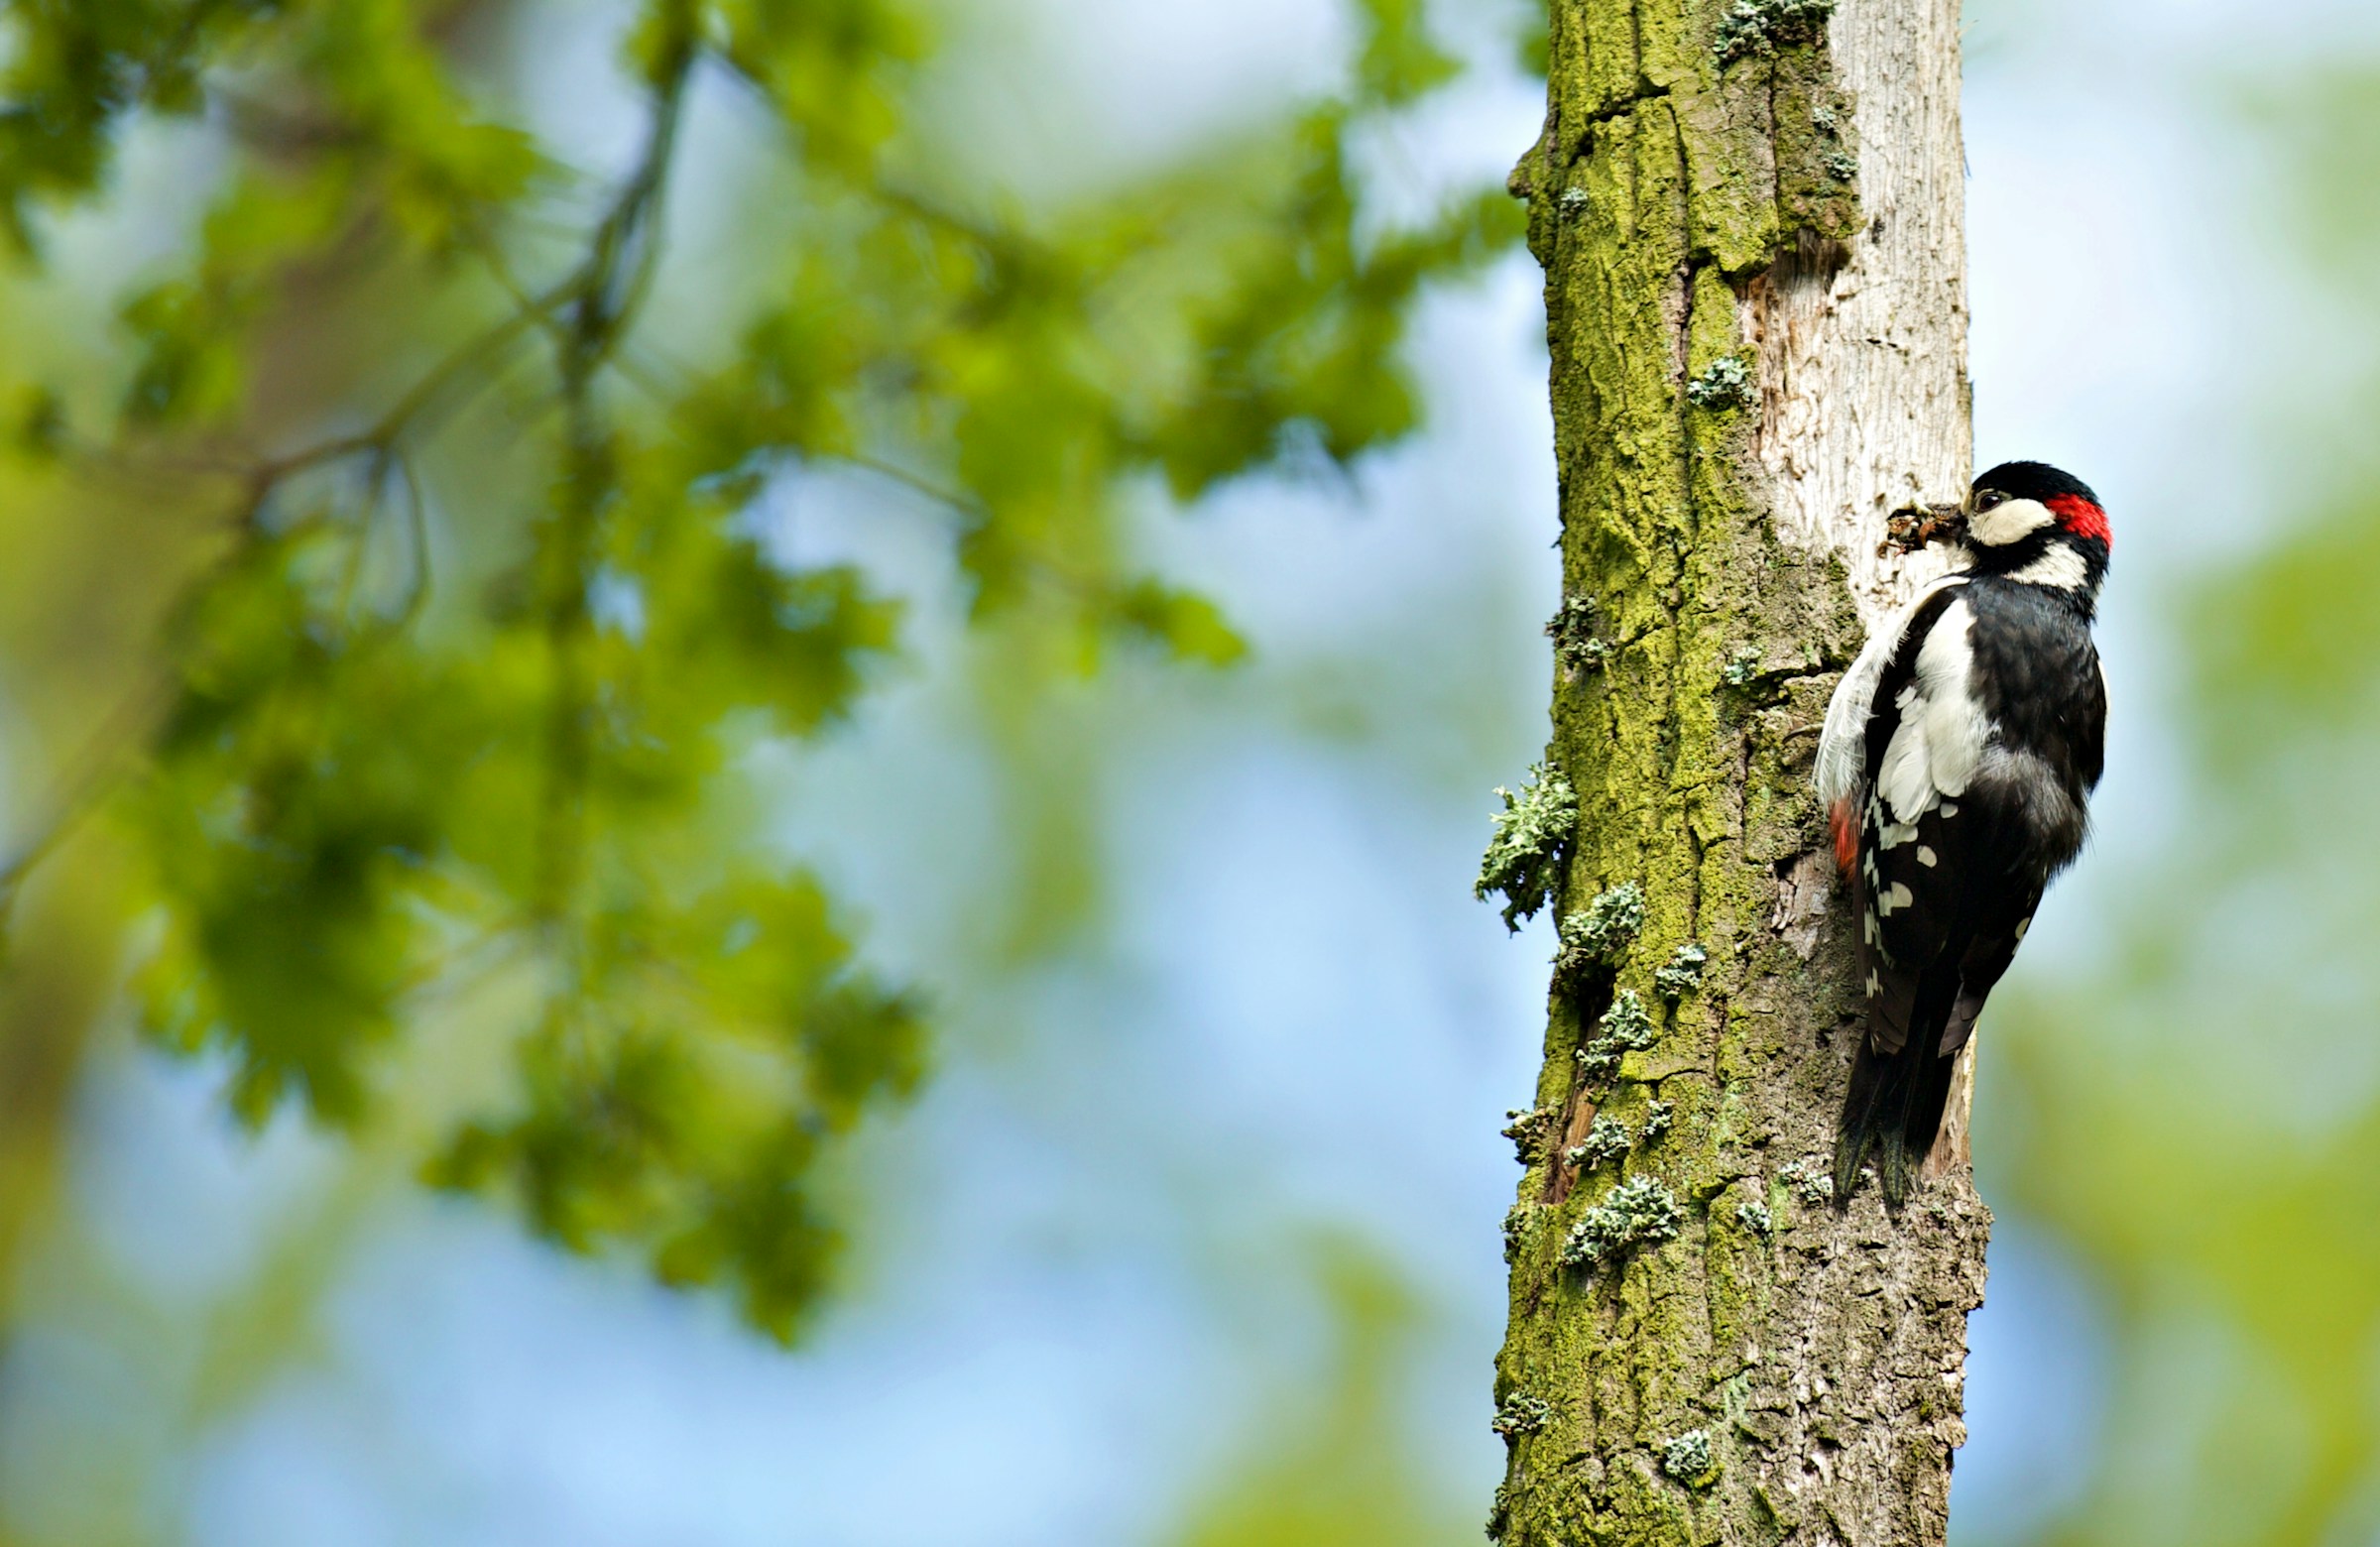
(1946, 523)
(1913, 527)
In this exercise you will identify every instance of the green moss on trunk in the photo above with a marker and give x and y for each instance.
(1813, 1352)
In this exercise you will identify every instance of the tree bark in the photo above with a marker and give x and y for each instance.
(1749, 214)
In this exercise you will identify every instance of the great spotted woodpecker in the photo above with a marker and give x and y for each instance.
(1956, 762)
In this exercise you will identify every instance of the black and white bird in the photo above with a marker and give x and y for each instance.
(1956, 761)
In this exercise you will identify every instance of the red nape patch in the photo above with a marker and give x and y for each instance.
(2081, 518)
(1847, 837)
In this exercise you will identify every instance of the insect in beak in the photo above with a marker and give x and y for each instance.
(1914, 526)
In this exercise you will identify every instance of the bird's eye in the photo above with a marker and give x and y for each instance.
(1988, 498)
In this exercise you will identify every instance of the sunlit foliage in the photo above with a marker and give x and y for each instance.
(459, 613)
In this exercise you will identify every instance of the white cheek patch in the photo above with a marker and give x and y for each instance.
(2010, 520)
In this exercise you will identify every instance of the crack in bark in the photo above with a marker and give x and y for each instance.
(1582, 143)
(1822, 1352)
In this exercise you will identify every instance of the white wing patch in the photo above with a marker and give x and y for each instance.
(1843, 744)
(1940, 740)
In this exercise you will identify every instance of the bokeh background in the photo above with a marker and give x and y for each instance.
(1191, 1235)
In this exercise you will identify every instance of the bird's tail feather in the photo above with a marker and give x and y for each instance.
(1892, 1112)
(1875, 1121)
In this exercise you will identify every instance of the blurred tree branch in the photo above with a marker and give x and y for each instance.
(437, 682)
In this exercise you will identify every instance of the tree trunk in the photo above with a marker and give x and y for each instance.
(1749, 214)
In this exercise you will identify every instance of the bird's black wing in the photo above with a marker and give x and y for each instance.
(1918, 847)
(1906, 879)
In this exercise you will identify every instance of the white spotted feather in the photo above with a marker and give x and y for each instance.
(1943, 730)
(1843, 744)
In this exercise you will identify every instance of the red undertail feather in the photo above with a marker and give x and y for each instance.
(2081, 518)
(1847, 837)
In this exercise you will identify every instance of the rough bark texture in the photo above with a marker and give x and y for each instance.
(1747, 182)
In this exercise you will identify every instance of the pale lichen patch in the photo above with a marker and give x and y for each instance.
(1533, 832)
(1639, 1210)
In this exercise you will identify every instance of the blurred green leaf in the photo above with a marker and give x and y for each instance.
(468, 606)
(75, 69)
(1400, 60)
(1191, 627)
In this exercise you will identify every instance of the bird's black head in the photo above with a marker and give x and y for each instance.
(2033, 522)
(2037, 481)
